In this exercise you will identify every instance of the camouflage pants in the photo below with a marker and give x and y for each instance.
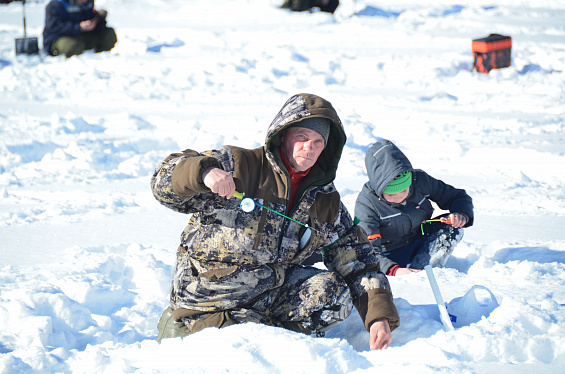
(310, 301)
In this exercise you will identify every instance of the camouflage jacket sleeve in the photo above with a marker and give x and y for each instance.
(352, 256)
(177, 180)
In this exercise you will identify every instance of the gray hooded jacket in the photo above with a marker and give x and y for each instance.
(391, 226)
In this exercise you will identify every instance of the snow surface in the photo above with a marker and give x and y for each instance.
(86, 253)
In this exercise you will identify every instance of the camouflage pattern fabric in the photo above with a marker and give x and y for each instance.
(235, 266)
(310, 301)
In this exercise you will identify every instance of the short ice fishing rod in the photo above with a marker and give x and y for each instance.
(445, 220)
(248, 204)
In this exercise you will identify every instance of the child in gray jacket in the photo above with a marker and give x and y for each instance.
(395, 205)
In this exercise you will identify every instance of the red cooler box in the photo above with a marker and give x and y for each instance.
(492, 52)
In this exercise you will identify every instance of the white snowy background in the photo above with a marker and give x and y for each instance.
(86, 252)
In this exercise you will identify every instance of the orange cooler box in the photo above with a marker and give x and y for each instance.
(492, 52)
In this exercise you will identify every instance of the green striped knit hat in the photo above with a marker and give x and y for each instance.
(400, 183)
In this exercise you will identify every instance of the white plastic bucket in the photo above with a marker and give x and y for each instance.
(478, 302)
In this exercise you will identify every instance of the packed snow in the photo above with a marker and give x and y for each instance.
(86, 252)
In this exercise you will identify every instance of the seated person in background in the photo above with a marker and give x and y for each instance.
(74, 26)
(394, 206)
(301, 5)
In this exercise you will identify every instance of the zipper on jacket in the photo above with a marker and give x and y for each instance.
(424, 199)
(392, 215)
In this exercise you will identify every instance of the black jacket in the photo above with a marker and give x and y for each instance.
(399, 224)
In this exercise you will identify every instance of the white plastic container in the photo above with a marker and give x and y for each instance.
(478, 302)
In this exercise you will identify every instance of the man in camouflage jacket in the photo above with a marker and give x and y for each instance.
(234, 266)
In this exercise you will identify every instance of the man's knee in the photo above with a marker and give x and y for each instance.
(326, 300)
(67, 46)
(331, 315)
(334, 314)
(108, 41)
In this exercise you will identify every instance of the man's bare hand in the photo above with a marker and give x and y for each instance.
(380, 337)
(88, 25)
(219, 181)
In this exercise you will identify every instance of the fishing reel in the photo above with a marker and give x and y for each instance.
(247, 204)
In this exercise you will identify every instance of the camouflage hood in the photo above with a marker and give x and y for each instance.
(297, 108)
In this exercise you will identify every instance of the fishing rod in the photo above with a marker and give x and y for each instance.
(248, 204)
(445, 220)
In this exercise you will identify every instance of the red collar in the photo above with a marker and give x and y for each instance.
(296, 178)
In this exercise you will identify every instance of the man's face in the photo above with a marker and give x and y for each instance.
(82, 2)
(302, 147)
